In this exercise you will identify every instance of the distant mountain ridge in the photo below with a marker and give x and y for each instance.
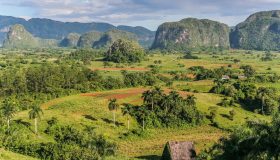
(260, 31)
(19, 37)
(51, 29)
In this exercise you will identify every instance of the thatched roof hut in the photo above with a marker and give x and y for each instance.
(178, 151)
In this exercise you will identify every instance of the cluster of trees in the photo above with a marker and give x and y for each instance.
(267, 56)
(134, 79)
(123, 51)
(68, 143)
(188, 55)
(9, 107)
(202, 73)
(263, 99)
(47, 81)
(164, 110)
(85, 55)
(256, 140)
(273, 78)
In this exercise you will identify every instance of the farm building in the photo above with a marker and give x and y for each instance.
(225, 77)
(178, 151)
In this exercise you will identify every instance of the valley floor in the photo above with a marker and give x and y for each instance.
(75, 110)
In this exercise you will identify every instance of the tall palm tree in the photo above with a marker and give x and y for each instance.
(8, 110)
(148, 98)
(113, 106)
(167, 103)
(35, 113)
(126, 110)
(262, 93)
(142, 112)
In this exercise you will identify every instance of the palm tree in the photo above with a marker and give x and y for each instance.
(167, 103)
(148, 98)
(152, 97)
(126, 110)
(8, 110)
(113, 106)
(262, 93)
(35, 113)
(142, 112)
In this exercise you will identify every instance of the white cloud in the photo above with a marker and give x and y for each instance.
(148, 13)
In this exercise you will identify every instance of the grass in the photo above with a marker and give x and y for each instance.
(7, 155)
(75, 110)
(72, 110)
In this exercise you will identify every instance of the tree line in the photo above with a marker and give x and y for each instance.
(43, 82)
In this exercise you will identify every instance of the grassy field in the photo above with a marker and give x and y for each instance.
(74, 110)
(173, 62)
(91, 109)
(7, 155)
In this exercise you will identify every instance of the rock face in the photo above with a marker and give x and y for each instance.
(260, 31)
(18, 37)
(191, 33)
(70, 41)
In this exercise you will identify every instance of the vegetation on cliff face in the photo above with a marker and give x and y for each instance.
(70, 41)
(18, 37)
(87, 39)
(104, 40)
(191, 33)
(108, 38)
(260, 31)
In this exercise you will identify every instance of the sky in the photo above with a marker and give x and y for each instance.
(146, 13)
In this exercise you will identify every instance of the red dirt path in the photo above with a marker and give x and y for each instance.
(120, 69)
(126, 93)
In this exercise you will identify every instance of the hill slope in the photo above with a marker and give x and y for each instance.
(191, 33)
(18, 37)
(260, 31)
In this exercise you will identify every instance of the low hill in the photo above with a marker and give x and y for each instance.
(260, 31)
(18, 37)
(191, 33)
